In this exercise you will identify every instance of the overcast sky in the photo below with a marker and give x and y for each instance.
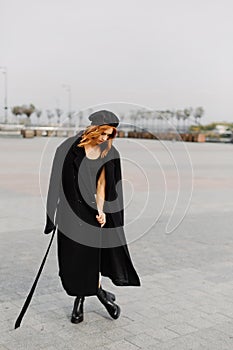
(158, 53)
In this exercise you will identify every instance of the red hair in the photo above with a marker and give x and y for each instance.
(93, 132)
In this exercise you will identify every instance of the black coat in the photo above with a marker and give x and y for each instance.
(85, 249)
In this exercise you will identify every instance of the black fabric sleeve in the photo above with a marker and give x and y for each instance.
(56, 180)
(53, 193)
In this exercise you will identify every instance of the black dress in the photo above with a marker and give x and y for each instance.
(80, 263)
(94, 167)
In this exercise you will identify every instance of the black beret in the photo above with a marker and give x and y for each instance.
(104, 118)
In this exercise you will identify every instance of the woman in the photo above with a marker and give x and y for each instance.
(85, 201)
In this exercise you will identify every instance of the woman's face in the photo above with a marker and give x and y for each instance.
(104, 135)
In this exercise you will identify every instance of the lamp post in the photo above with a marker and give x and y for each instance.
(4, 71)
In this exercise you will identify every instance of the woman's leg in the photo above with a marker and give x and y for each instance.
(77, 313)
(110, 296)
(112, 308)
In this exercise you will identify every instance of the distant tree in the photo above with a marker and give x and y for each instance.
(133, 118)
(38, 114)
(70, 116)
(142, 119)
(170, 115)
(122, 117)
(198, 113)
(17, 111)
(210, 127)
(28, 109)
(179, 116)
(154, 117)
(187, 113)
(159, 115)
(59, 113)
(80, 118)
(89, 111)
(50, 115)
(195, 128)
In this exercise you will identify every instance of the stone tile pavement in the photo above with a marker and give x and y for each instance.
(186, 298)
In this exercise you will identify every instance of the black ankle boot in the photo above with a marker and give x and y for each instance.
(108, 295)
(77, 313)
(112, 308)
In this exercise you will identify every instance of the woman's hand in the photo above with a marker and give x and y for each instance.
(101, 218)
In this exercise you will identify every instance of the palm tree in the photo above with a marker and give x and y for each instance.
(122, 117)
(154, 117)
(186, 115)
(179, 116)
(198, 113)
(38, 114)
(80, 116)
(143, 120)
(28, 110)
(89, 111)
(50, 115)
(17, 111)
(147, 118)
(169, 116)
(134, 117)
(166, 116)
(70, 116)
(59, 114)
(160, 120)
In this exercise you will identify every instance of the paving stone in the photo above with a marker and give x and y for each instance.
(142, 340)
(225, 327)
(199, 322)
(136, 328)
(117, 333)
(182, 328)
(123, 345)
(6, 337)
(98, 339)
(163, 334)
(2, 347)
(188, 342)
(221, 338)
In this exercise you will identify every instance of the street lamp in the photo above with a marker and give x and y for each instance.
(4, 71)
